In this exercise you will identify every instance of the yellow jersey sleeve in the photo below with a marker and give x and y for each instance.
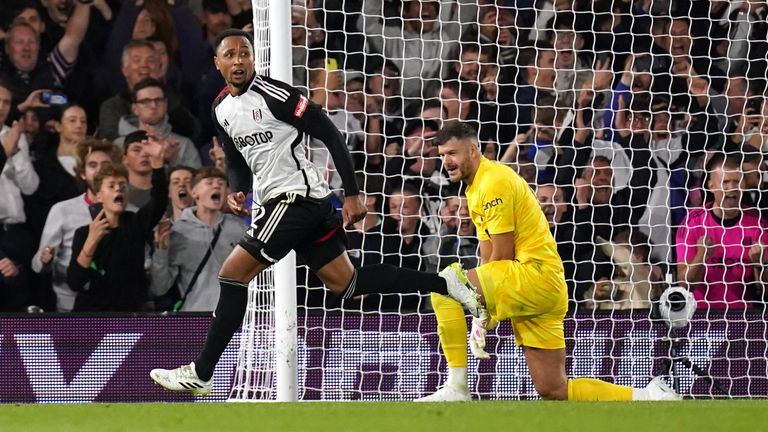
(498, 207)
(500, 201)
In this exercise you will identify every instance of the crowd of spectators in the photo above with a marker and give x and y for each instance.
(641, 126)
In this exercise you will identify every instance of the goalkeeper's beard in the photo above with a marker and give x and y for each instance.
(461, 173)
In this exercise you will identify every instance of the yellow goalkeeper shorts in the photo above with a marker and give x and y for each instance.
(532, 295)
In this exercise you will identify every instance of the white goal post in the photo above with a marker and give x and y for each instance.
(272, 294)
(532, 76)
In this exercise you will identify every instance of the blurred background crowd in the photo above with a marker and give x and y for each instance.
(641, 126)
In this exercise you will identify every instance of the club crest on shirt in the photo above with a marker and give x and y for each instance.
(257, 115)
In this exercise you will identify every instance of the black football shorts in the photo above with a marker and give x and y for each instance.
(309, 226)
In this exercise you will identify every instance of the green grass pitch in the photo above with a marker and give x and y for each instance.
(703, 416)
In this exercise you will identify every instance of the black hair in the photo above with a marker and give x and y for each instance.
(419, 123)
(215, 6)
(146, 83)
(136, 136)
(600, 158)
(182, 168)
(455, 129)
(61, 110)
(230, 33)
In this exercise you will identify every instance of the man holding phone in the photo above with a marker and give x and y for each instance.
(752, 128)
(55, 250)
(108, 254)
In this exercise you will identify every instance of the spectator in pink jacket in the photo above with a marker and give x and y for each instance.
(721, 247)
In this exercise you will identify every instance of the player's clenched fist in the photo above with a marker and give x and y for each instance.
(353, 210)
(236, 203)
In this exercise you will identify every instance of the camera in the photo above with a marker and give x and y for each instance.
(676, 307)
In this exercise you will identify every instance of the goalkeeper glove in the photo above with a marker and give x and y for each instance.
(477, 338)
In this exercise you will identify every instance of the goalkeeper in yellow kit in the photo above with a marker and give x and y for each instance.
(520, 278)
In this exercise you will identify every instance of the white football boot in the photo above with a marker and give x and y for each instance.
(658, 390)
(448, 393)
(461, 290)
(182, 379)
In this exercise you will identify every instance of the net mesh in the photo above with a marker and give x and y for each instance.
(254, 377)
(640, 125)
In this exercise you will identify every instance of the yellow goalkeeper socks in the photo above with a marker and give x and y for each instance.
(589, 389)
(452, 329)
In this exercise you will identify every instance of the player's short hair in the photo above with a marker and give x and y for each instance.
(207, 172)
(109, 170)
(91, 145)
(455, 129)
(132, 45)
(230, 33)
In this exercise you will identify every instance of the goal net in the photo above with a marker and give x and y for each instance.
(639, 125)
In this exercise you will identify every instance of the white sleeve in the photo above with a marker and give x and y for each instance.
(24, 173)
(457, 16)
(52, 236)
(371, 24)
(161, 274)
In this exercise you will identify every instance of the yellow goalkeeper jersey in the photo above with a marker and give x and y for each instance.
(500, 201)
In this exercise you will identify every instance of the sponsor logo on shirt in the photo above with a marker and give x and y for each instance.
(301, 107)
(252, 139)
(492, 203)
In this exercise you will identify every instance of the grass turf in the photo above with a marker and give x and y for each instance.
(391, 417)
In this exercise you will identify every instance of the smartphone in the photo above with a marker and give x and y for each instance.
(95, 209)
(54, 98)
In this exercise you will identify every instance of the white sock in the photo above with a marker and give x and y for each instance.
(457, 376)
(639, 394)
